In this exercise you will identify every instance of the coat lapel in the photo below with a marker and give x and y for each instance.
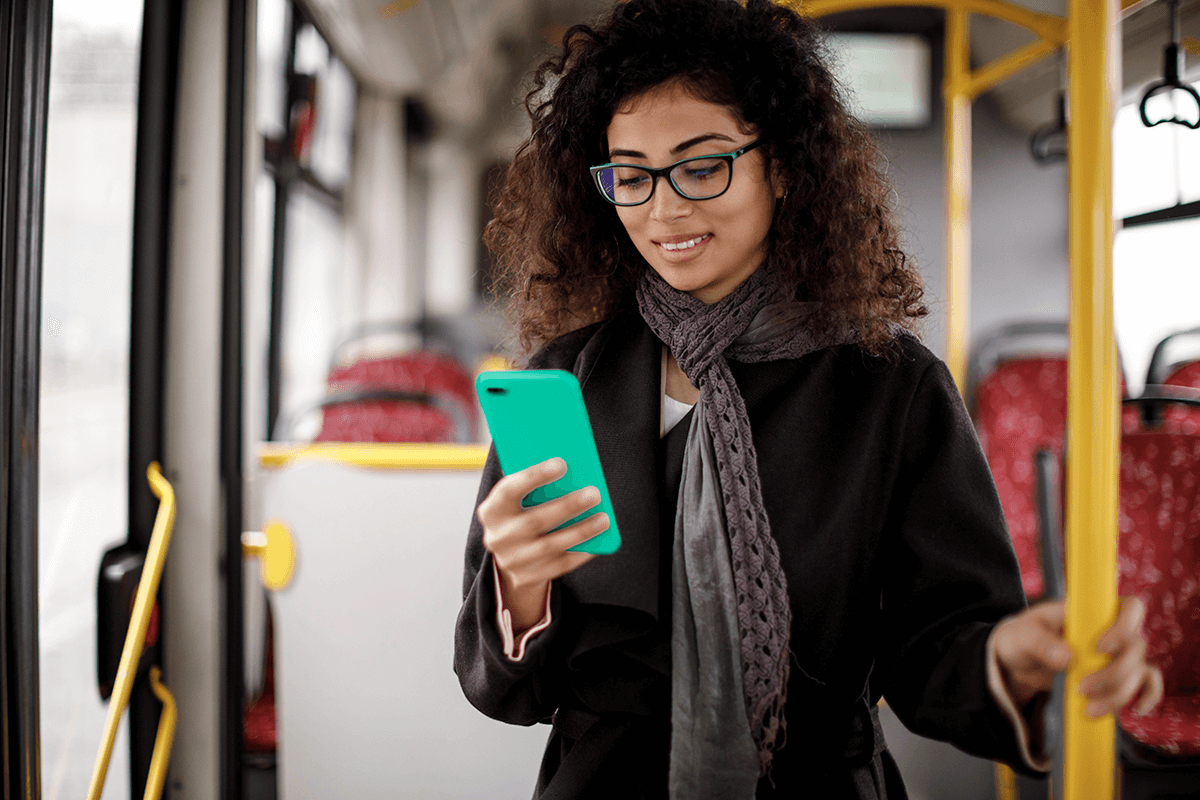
(619, 371)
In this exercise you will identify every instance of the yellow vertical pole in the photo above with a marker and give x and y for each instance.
(1092, 420)
(957, 104)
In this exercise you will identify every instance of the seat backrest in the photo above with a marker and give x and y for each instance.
(1180, 418)
(421, 371)
(1167, 354)
(385, 421)
(1159, 552)
(1020, 408)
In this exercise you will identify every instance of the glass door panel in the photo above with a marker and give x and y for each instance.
(85, 374)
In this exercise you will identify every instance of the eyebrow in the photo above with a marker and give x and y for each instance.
(677, 149)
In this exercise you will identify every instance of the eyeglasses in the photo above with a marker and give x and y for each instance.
(696, 178)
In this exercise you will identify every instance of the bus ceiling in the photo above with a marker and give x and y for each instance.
(465, 58)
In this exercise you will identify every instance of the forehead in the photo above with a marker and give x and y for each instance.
(667, 115)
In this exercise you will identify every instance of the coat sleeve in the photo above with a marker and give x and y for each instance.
(950, 576)
(520, 692)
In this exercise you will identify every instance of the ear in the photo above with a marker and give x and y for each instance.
(778, 182)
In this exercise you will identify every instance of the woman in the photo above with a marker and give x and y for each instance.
(700, 232)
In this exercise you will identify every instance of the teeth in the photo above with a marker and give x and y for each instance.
(684, 245)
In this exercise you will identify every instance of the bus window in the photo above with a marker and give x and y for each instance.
(305, 113)
(84, 371)
(1155, 167)
(1155, 277)
(1156, 281)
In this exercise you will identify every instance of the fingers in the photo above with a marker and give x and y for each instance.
(549, 515)
(1127, 676)
(1030, 650)
(505, 497)
(1115, 685)
(507, 527)
(550, 558)
(1152, 692)
(1127, 627)
(547, 548)
(527, 544)
(1144, 683)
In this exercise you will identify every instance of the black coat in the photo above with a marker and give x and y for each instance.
(890, 532)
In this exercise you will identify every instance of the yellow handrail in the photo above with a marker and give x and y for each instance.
(1092, 392)
(393, 455)
(131, 654)
(164, 739)
(957, 138)
(1047, 26)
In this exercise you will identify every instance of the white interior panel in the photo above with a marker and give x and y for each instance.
(368, 703)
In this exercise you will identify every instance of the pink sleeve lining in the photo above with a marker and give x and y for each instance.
(1003, 699)
(514, 647)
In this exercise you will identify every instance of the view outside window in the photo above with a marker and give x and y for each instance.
(85, 373)
(308, 151)
(1154, 168)
(1156, 269)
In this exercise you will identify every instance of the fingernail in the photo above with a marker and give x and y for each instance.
(1095, 709)
(556, 465)
(601, 520)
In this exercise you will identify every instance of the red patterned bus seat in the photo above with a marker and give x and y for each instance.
(1020, 408)
(423, 371)
(1181, 418)
(1160, 562)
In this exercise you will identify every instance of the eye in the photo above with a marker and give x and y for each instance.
(632, 181)
(703, 170)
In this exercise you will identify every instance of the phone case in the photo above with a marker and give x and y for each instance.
(534, 415)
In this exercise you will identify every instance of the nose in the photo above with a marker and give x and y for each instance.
(666, 205)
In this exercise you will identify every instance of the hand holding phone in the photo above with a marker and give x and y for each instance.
(535, 415)
(529, 545)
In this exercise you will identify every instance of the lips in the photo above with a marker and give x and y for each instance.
(684, 244)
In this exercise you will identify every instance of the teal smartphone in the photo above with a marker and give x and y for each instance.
(538, 414)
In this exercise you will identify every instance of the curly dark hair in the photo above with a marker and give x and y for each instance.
(562, 253)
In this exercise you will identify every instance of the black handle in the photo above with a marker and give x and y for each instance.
(1170, 83)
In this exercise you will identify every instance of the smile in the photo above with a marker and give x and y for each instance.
(685, 245)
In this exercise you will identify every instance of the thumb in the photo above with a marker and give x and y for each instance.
(1032, 640)
(1050, 614)
(1045, 649)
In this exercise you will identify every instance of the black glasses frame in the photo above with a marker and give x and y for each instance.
(665, 172)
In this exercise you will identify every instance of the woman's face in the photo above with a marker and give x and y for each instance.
(703, 247)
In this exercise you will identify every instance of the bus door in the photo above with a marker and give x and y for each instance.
(93, 311)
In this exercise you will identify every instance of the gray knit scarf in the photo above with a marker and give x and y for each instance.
(731, 617)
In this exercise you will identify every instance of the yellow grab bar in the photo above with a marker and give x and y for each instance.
(164, 739)
(1093, 466)
(131, 654)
